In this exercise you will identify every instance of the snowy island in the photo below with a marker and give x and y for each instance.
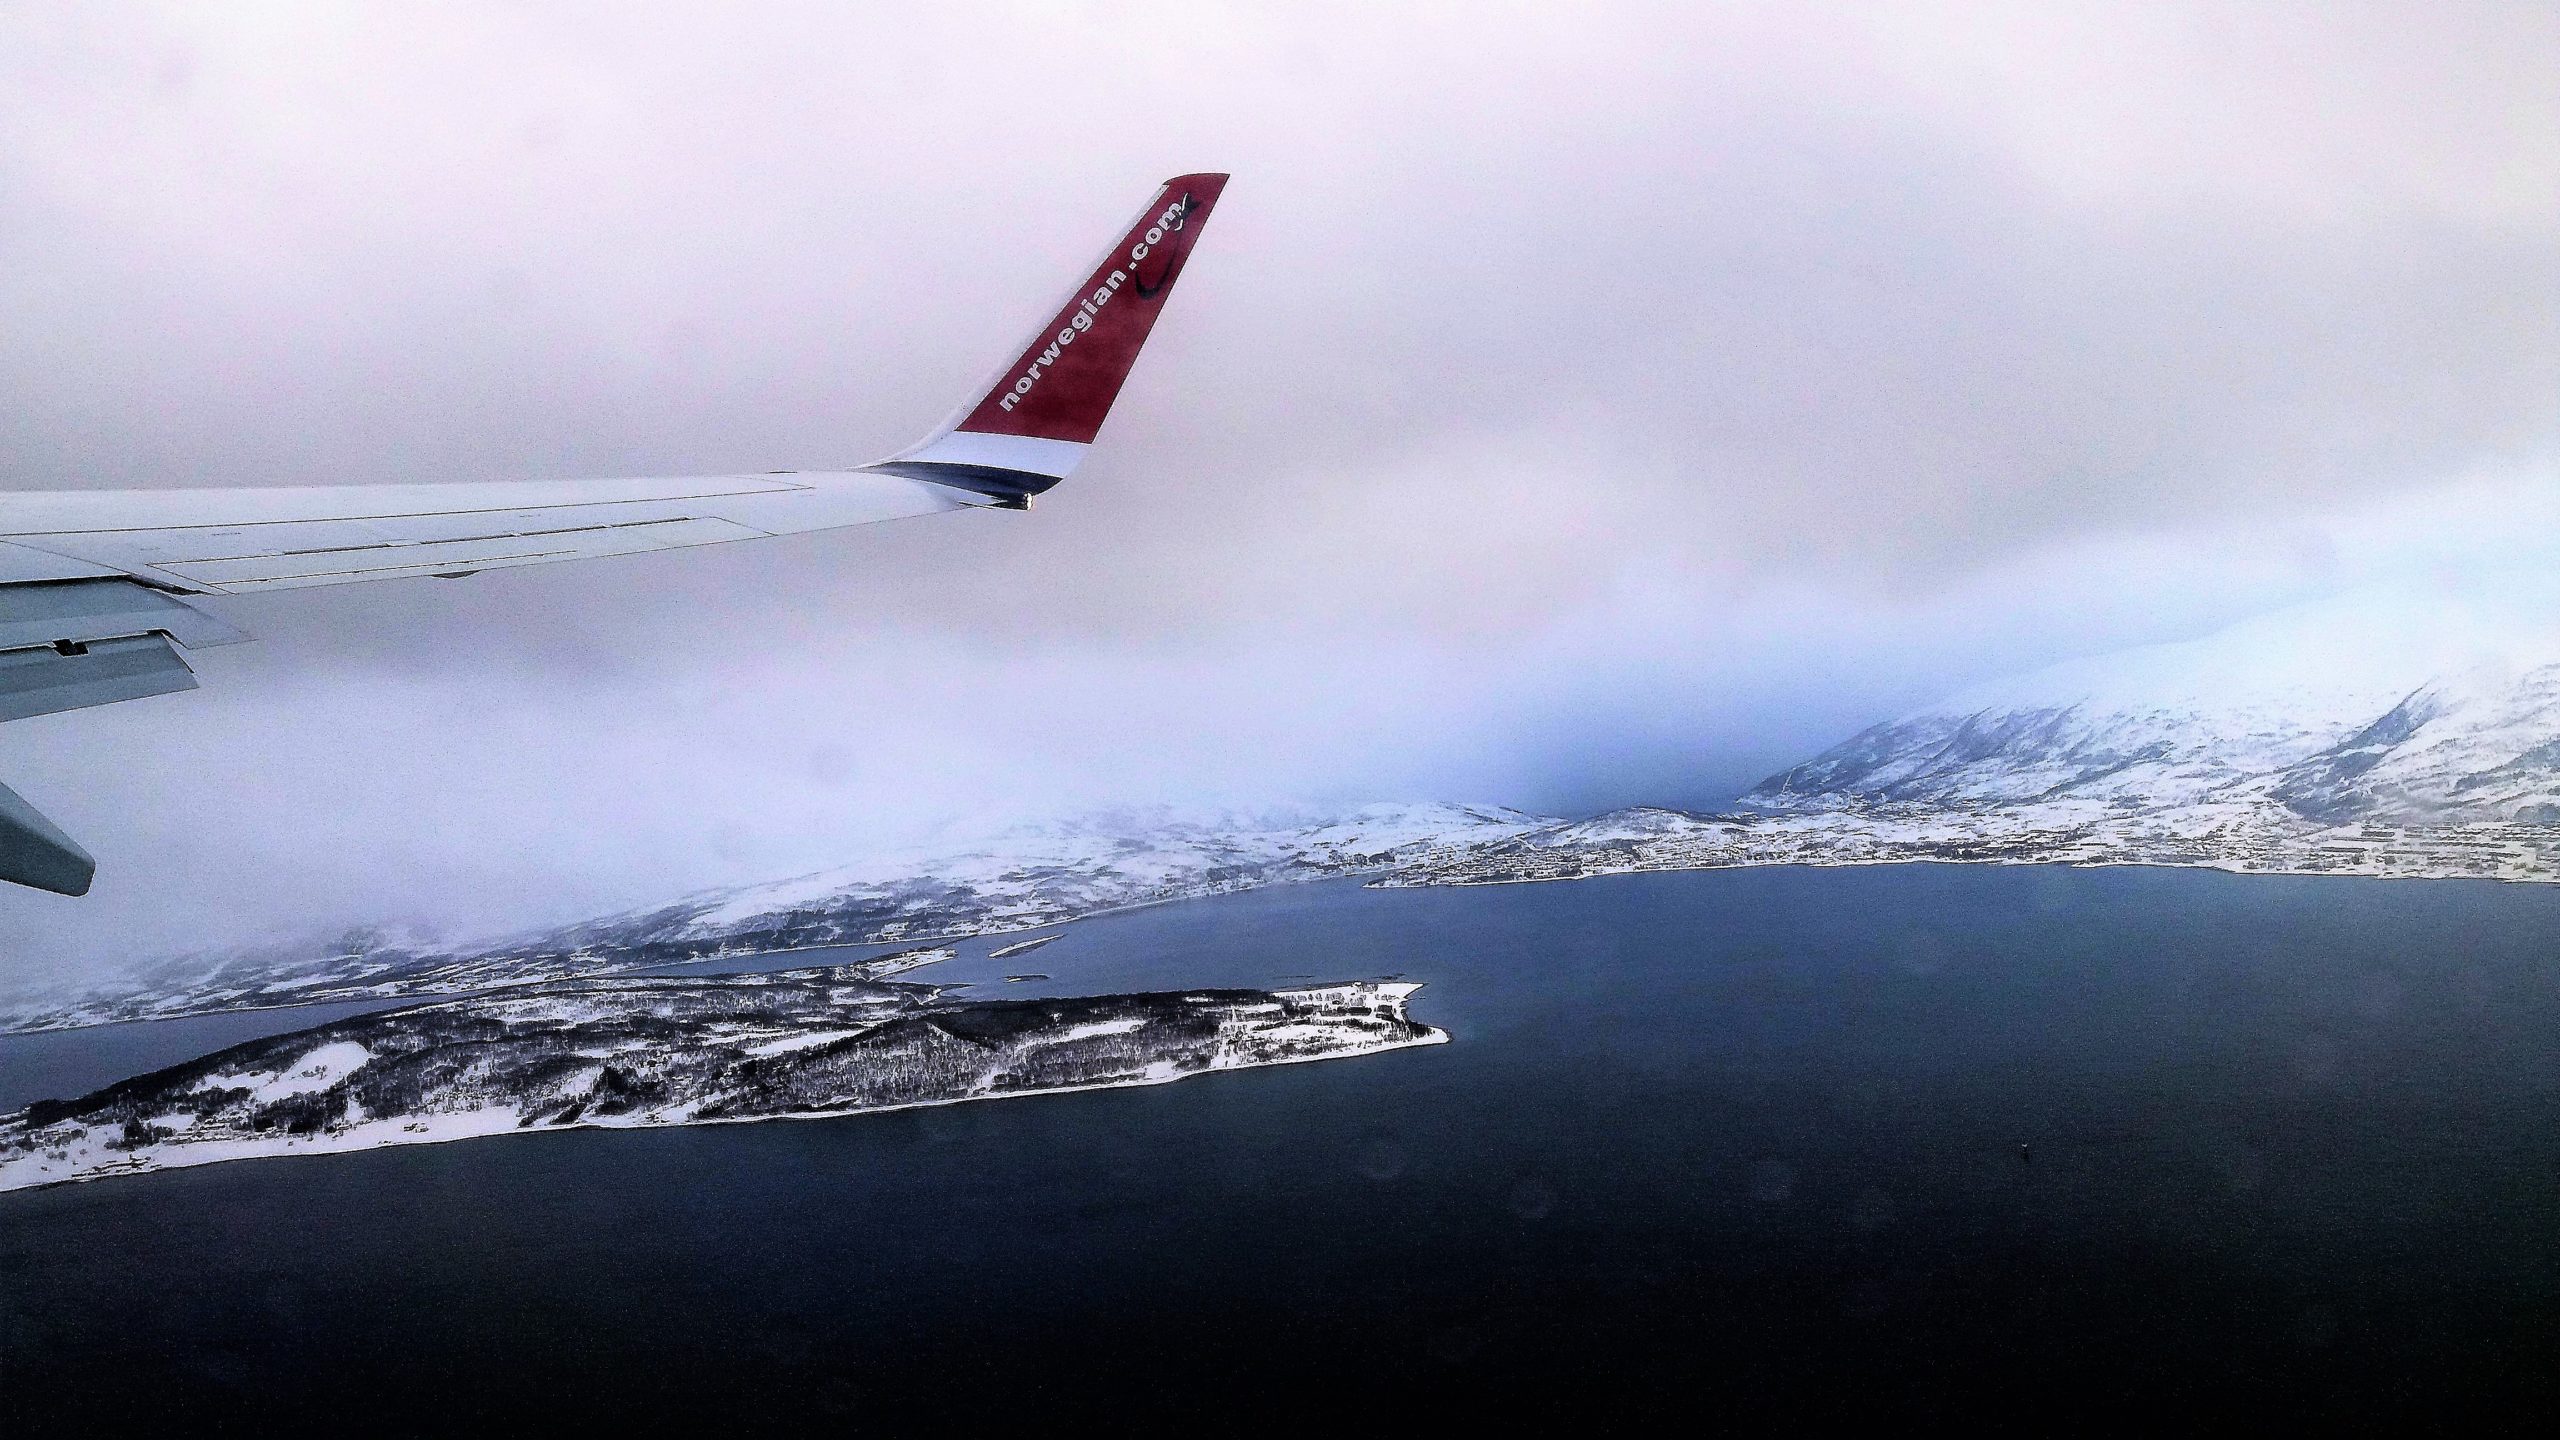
(626, 1053)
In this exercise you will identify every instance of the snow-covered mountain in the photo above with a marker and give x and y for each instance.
(2401, 706)
(2405, 732)
(1044, 871)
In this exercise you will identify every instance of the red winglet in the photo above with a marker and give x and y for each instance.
(1065, 381)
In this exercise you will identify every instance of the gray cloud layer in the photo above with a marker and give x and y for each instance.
(1571, 405)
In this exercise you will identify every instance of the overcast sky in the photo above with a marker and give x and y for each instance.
(1570, 406)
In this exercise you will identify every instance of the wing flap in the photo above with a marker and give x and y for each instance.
(46, 681)
(78, 611)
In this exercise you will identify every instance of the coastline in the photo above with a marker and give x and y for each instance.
(1389, 882)
(1390, 878)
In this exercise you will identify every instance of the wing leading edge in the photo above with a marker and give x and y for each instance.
(91, 581)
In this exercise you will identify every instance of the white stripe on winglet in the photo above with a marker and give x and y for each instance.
(1003, 452)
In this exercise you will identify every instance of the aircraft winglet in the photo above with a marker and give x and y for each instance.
(1032, 426)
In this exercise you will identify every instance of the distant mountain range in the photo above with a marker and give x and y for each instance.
(2373, 708)
(2392, 732)
(2409, 733)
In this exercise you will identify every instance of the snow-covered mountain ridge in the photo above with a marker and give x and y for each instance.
(2393, 732)
(2381, 707)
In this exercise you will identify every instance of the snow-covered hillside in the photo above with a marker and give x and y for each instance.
(2407, 732)
(1036, 873)
(2401, 706)
(1032, 874)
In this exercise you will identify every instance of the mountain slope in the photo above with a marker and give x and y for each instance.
(2395, 706)
(2405, 732)
(1033, 874)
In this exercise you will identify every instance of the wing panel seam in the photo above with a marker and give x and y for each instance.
(760, 491)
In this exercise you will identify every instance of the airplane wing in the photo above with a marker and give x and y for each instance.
(94, 584)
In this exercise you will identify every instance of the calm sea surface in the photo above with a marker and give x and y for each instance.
(1737, 1144)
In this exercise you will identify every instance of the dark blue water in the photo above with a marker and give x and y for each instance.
(1736, 1145)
